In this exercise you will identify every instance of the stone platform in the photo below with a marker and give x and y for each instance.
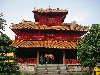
(52, 69)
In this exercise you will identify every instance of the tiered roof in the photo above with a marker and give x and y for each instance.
(35, 25)
(45, 44)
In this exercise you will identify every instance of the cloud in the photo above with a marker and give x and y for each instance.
(79, 18)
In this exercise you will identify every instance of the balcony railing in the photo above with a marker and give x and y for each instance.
(72, 61)
(47, 38)
(34, 61)
(27, 60)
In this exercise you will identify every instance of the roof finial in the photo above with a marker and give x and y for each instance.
(23, 20)
(41, 8)
(34, 8)
(49, 8)
(74, 22)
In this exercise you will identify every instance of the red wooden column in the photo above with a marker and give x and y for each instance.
(41, 20)
(60, 23)
(56, 20)
(37, 56)
(63, 57)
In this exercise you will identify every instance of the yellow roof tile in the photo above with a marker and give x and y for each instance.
(33, 25)
(46, 44)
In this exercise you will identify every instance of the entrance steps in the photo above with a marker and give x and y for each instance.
(50, 69)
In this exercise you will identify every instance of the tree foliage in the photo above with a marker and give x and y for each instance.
(2, 22)
(89, 47)
(7, 68)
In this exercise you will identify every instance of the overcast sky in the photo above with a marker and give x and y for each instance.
(85, 12)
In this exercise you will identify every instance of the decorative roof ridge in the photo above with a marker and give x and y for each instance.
(74, 25)
(24, 22)
(35, 25)
(50, 10)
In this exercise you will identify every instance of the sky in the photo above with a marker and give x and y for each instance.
(85, 12)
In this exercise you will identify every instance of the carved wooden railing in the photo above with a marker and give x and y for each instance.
(27, 60)
(47, 38)
(72, 61)
(34, 61)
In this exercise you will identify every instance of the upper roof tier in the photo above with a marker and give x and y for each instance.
(35, 25)
(49, 10)
(49, 16)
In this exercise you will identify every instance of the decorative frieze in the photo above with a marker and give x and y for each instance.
(27, 60)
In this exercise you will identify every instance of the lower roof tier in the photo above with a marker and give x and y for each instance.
(44, 44)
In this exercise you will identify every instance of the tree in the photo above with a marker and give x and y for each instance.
(2, 22)
(89, 47)
(7, 68)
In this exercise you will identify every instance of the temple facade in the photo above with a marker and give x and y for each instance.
(48, 36)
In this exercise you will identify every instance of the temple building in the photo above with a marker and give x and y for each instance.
(47, 36)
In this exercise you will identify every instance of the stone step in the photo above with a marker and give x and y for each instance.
(48, 70)
(53, 74)
(50, 65)
(63, 71)
(42, 66)
(52, 69)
